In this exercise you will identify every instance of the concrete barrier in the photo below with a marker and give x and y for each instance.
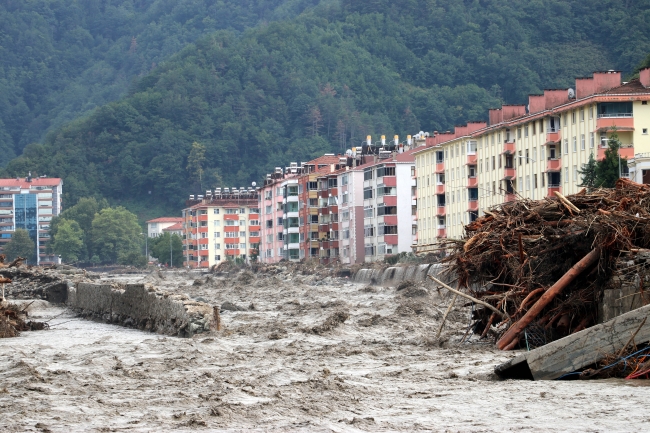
(142, 306)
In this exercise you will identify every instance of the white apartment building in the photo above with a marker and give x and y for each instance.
(529, 152)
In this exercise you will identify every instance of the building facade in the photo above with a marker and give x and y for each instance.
(327, 210)
(30, 204)
(378, 208)
(156, 227)
(224, 225)
(528, 152)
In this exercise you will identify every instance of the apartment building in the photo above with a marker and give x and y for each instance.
(222, 225)
(288, 199)
(317, 210)
(528, 151)
(378, 208)
(30, 204)
(157, 226)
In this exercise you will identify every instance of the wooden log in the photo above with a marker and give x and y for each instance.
(566, 202)
(581, 349)
(503, 314)
(444, 318)
(588, 260)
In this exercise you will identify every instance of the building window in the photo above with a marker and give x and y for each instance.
(582, 114)
(566, 145)
(217, 257)
(591, 112)
(582, 141)
(217, 234)
(367, 174)
(575, 143)
(367, 193)
(216, 211)
(591, 140)
(566, 174)
(644, 131)
(268, 209)
(573, 117)
(526, 131)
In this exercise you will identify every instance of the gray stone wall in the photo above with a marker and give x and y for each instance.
(142, 306)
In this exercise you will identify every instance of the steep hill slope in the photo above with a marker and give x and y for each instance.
(60, 59)
(290, 90)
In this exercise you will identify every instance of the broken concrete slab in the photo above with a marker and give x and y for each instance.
(578, 350)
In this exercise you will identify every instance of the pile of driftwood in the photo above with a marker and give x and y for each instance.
(538, 268)
(13, 319)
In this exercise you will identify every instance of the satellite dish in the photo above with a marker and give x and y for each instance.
(572, 94)
(254, 184)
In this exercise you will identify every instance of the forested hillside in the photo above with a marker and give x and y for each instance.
(292, 89)
(60, 59)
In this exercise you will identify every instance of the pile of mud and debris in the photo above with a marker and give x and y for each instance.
(543, 265)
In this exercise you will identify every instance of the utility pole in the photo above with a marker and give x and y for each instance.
(171, 254)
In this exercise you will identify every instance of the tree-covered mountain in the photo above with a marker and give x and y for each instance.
(60, 59)
(289, 90)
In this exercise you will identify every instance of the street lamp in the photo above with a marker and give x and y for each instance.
(171, 254)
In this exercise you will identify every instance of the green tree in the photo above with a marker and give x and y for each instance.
(195, 162)
(133, 258)
(588, 173)
(68, 241)
(20, 245)
(83, 214)
(608, 169)
(161, 249)
(115, 234)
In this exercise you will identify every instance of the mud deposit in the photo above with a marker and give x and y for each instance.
(297, 353)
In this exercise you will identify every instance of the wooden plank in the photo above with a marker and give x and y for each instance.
(583, 348)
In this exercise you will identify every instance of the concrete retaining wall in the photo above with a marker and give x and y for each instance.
(396, 274)
(142, 306)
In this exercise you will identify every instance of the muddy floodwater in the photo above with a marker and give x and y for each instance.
(297, 353)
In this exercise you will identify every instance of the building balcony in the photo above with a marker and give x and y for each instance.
(626, 151)
(471, 159)
(390, 180)
(442, 233)
(553, 137)
(390, 239)
(509, 173)
(202, 217)
(510, 197)
(472, 182)
(390, 200)
(390, 220)
(440, 188)
(554, 164)
(472, 205)
(231, 217)
(440, 167)
(509, 147)
(620, 121)
(441, 211)
(552, 189)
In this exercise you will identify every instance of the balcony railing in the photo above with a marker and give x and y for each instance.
(615, 115)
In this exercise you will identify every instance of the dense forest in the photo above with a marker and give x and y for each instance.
(60, 59)
(305, 78)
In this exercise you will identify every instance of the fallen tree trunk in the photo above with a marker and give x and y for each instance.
(547, 297)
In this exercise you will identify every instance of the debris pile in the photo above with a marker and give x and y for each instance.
(14, 320)
(545, 263)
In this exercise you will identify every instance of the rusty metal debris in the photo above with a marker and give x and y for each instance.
(545, 263)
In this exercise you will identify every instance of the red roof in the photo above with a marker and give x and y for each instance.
(175, 227)
(166, 220)
(37, 181)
